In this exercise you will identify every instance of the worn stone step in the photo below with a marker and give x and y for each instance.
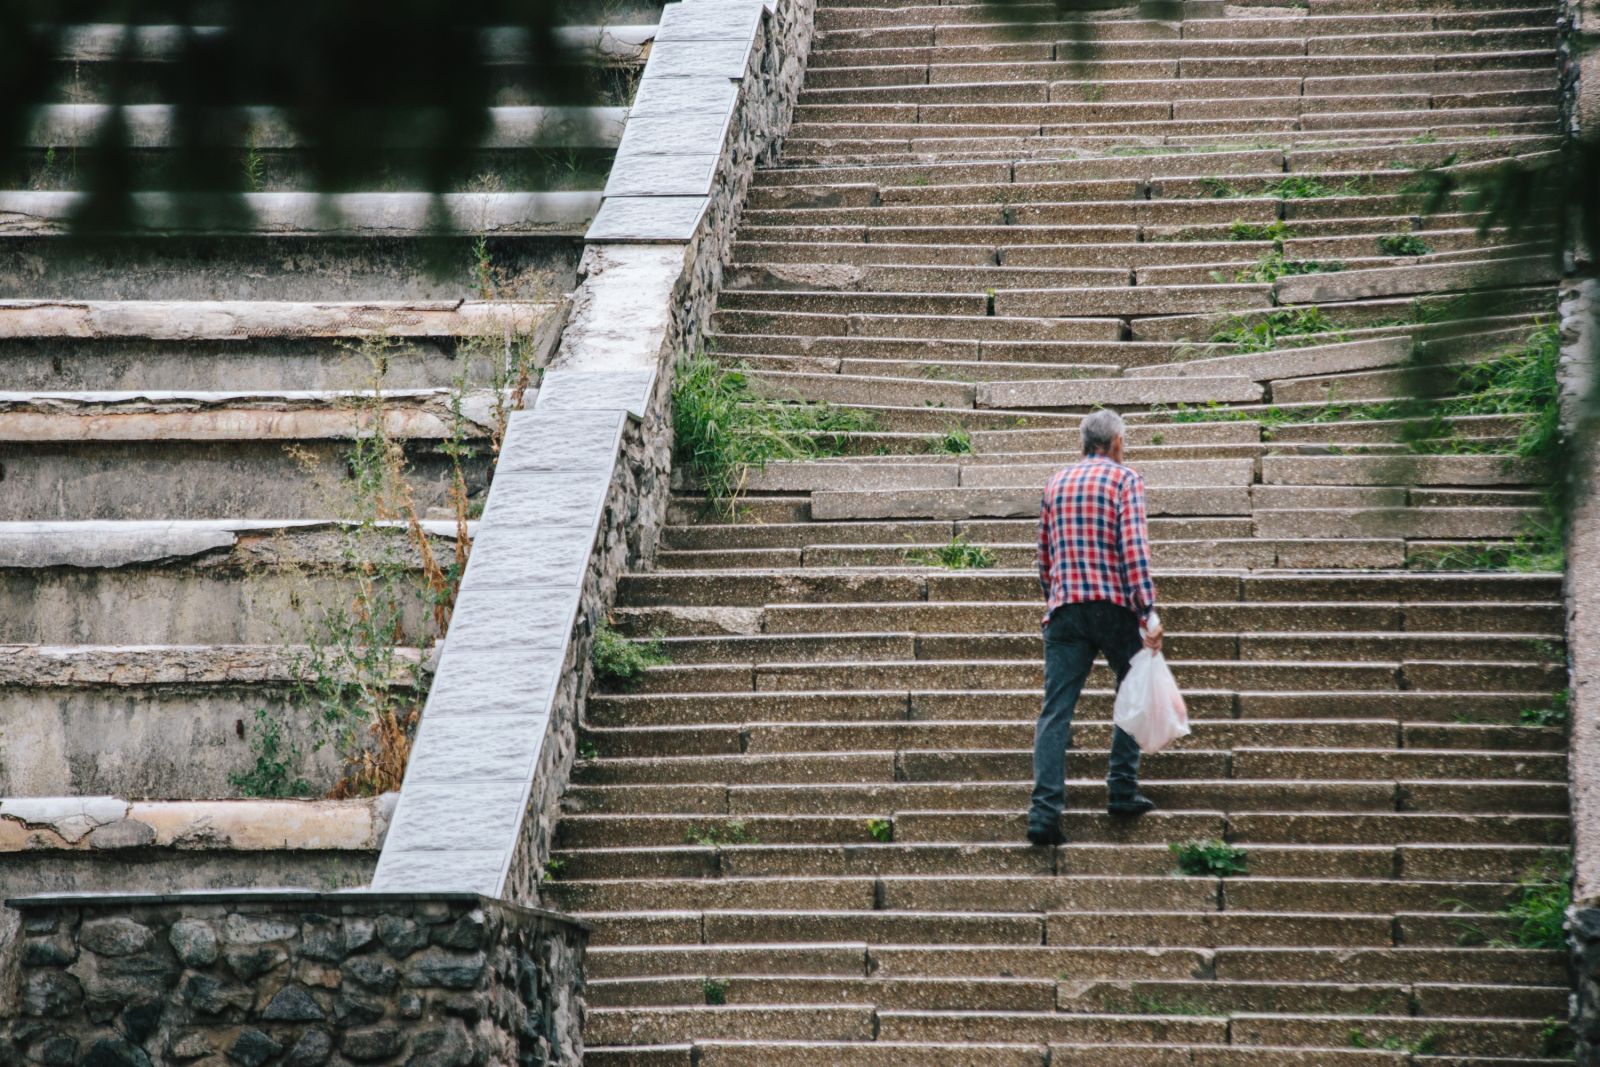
(108, 844)
(605, 1026)
(261, 345)
(189, 584)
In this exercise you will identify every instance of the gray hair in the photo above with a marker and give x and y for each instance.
(1098, 429)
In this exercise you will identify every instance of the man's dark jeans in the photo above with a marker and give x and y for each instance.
(1073, 635)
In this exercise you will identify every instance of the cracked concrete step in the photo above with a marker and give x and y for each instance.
(197, 455)
(100, 844)
(123, 345)
(148, 584)
(149, 720)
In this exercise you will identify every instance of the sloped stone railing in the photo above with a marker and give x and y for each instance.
(580, 490)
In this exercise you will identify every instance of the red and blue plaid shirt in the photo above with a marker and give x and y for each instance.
(1093, 541)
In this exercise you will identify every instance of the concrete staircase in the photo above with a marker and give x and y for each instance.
(182, 508)
(800, 838)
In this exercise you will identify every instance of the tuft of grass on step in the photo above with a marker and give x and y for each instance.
(1539, 553)
(1539, 908)
(733, 832)
(715, 991)
(1275, 329)
(1214, 858)
(1272, 266)
(958, 555)
(1311, 187)
(723, 429)
(1220, 189)
(880, 830)
(552, 869)
(621, 661)
(1557, 1039)
(1239, 230)
(1403, 244)
(956, 441)
(1556, 713)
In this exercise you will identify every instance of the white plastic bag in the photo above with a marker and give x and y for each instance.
(1149, 705)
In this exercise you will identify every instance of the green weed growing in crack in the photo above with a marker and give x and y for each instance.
(1538, 909)
(1272, 266)
(1557, 1040)
(715, 991)
(880, 830)
(1403, 244)
(1214, 858)
(621, 662)
(723, 429)
(1276, 231)
(277, 760)
(255, 167)
(957, 554)
(1425, 1045)
(552, 869)
(1556, 713)
(1276, 329)
(956, 441)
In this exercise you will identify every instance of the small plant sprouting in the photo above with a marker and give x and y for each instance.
(552, 869)
(958, 555)
(1272, 266)
(255, 168)
(1258, 231)
(276, 757)
(734, 832)
(881, 830)
(955, 442)
(1209, 859)
(1557, 1039)
(1220, 189)
(715, 991)
(620, 661)
(587, 750)
(1266, 332)
(1403, 244)
(1556, 713)
(1539, 908)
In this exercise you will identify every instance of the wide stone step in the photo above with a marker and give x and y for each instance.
(193, 455)
(201, 583)
(107, 844)
(117, 345)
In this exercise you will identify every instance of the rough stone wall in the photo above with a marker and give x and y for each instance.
(293, 980)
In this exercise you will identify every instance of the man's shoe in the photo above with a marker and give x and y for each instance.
(1131, 804)
(1046, 835)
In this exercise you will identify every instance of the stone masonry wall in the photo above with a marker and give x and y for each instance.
(293, 980)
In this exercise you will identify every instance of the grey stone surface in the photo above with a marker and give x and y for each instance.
(677, 174)
(516, 972)
(648, 218)
(710, 20)
(572, 445)
(527, 618)
(472, 682)
(679, 96)
(689, 133)
(698, 59)
(454, 814)
(477, 748)
(583, 390)
(528, 557)
(545, 500)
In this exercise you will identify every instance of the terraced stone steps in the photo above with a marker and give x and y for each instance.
(800, 836)
(232, 433)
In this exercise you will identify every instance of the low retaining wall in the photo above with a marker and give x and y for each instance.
(293, 980)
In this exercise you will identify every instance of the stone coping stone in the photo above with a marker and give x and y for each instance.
(646, 219)
(103, 42)
(281, 895)
(221, 320)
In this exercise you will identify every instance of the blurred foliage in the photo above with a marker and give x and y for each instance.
(352, 80)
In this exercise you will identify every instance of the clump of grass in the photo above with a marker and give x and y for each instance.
(1557, 1039)
(1239, 230)
(1267, 332)
(620, 661)
(956, 441)
(1309, 187)
(880, 830)
(715, 990)
(734, 832)
(552, 869)
(1209, 859)
(723, 429)
(1539, 908)
(1403, 244)
(1556, 713)
(958, 555)
(1272, 266)
(1220, 189)
(1540, 553)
